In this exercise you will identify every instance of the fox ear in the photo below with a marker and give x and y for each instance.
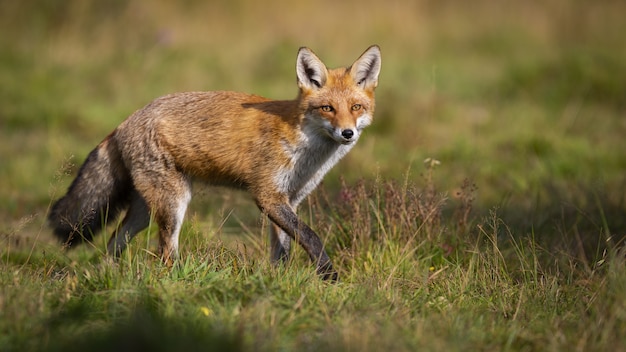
(366, 68)
(310, 69)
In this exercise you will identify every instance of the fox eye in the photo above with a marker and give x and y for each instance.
(326, 108)
(356, 107)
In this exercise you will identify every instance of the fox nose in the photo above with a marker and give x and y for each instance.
(347, 133)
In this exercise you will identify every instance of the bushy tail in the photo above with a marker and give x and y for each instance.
(99, 193)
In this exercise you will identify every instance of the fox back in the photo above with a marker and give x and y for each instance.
(277, 150)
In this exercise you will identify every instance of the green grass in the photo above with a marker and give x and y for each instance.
(411, 279)
(514, 241)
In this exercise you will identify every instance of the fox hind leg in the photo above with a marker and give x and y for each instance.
(170, 224)
(167, 196)
(137, 218)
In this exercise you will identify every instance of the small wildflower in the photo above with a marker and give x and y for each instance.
(431, 162)
(432, 268)
(206, 311)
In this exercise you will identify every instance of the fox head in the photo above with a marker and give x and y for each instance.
(338, 102)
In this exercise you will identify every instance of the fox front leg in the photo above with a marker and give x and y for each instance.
(280, 244)
(285, 218)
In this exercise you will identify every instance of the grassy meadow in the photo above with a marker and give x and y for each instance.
(484, 209)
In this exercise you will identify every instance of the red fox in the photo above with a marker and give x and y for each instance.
(277, 150)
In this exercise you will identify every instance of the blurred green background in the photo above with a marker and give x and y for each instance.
(527, 100)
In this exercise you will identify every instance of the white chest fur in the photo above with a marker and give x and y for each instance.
(313, 156)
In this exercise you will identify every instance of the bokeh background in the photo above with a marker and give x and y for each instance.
(526, 100)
